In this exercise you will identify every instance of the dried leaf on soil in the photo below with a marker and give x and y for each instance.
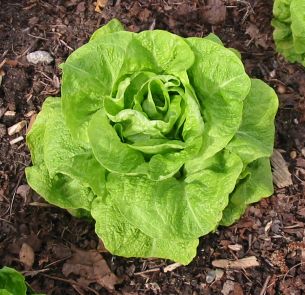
(23, 191)
(254, 33)
(214, 12)
(281, 175)
(247, 262)
(100, 5)
(92, 268)
(26, 255)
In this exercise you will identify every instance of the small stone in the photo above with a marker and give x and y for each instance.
(281, 89)
(210, 277)
(303, 151)
(39, 56)
(293, 154)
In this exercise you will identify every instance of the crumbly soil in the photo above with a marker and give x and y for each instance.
(271, 230)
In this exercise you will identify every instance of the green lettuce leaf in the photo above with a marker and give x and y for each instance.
(12, 282)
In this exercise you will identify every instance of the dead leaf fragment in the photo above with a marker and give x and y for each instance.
(281, 175)
(214, 13)
(16, 127)
(92, 268)
(32, 120)
(247, 262)
(100, 5)
(23, 191)
(255, 35)
(26, 255)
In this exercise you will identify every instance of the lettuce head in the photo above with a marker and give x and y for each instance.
(289, 29)
(158, 138)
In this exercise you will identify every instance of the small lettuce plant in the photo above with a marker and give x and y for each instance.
(289, 29)
(12, 282)
(159, 138)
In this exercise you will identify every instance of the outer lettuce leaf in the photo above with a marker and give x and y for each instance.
(215, 86)
(122, 238)
(177, 209)
(257, 185)
(67, 175)
(113, 26)
(255, 136)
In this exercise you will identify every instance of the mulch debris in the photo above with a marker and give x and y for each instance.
(46, 243)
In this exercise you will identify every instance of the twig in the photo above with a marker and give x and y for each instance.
(298, 264)
(58, 261)
(37, 37)
(147, 271)
(263, 291)
(71, 282)
(14, 194)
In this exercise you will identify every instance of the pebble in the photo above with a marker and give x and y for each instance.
(303, 151)
(36, 57)
(293, 154)
(281, 89)
(210, 277)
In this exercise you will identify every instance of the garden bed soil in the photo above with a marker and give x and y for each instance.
(271, 230)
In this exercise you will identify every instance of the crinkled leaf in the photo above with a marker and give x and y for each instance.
(255, 136)
(120, 237)
(177, 209)
(257, 185)
(220, 92)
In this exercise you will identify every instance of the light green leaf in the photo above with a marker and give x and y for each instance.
(122, 238)
(61, 190)
(257, 185)
(111, 27)
(171, 53)
(177, 209)
(220, 93)
(91, 73)
(255, 136)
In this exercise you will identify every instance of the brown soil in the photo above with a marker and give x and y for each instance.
(272, 230)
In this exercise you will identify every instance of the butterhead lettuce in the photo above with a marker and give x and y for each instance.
(289, 29)
(159, 138)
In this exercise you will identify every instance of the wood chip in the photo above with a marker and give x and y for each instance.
(247, 262)
(171, 267)
(281, 175)
(29, 114)
(235, 247)
(15, 140)
(16, 128)
(100, 5)
(9, 114)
